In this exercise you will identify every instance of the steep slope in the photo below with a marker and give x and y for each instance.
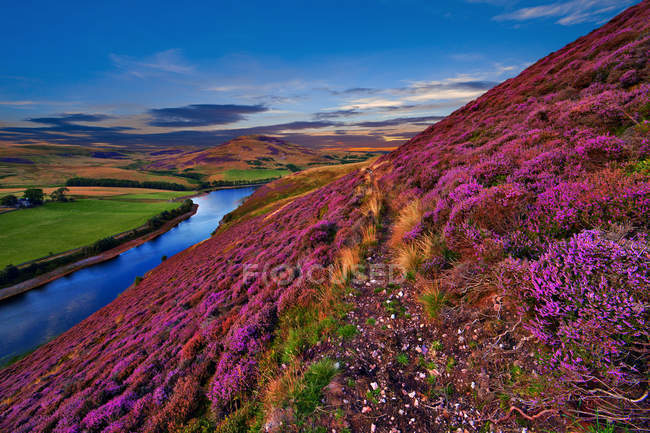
(522, 222)
(246, 152)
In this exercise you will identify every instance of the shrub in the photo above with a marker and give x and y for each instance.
(322, 232)
(233, 377)
(629, 78)
(603, 148)
(588, 303)
(9, 200)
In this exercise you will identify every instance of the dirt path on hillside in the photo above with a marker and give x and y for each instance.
(404, 372)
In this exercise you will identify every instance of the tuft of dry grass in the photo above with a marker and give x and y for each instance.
(408, 257)
(369, 234)
(407, 219)
(373, 204)
(411, 255)
(345, 265)
(278, 388)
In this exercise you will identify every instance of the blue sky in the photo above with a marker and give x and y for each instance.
(336, 73)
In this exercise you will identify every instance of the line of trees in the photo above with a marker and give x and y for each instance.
(125, 183)
(13, 274)
(218, 183)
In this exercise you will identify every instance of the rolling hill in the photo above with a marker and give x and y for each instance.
(521, 224)
(250, 158)
(254, 155)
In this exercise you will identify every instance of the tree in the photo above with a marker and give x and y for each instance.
(9, 200)
(59, 194)
(34, 195)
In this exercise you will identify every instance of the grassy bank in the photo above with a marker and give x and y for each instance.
(29, 234)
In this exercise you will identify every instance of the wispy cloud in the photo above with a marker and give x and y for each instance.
(461, 89)
(18, 103)
(163, 62)
(399, 121)
(569, 13)
(28, 103)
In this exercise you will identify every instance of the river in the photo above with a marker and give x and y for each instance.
(35, 317)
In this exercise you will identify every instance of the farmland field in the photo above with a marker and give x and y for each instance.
(106, 191)
(55, 227)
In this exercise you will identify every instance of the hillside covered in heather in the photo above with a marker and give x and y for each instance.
(521, 224)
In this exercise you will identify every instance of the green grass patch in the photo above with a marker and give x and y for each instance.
(308, 393)
(402, 359)
(393, 306)
(254, 174)
(347, 331)
(300, 328)
(29, 234)
(642, 167)
(432, 301)
(451, 363)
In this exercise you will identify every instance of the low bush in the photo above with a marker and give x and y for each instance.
(588, 303)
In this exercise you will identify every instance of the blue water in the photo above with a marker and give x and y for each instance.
(37, 316)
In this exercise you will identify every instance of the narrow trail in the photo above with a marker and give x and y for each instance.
(400, 372)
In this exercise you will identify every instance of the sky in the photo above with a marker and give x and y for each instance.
(339, 74)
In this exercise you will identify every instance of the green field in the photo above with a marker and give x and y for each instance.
(253, 174)
(28, 234)
(162, 195)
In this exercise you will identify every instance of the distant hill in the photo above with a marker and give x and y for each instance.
(260, 155)
(247, 158)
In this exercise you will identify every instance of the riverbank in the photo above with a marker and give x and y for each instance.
(62, 271)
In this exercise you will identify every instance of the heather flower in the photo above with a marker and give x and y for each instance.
(588, 303)
(604, 147)
(414, 233)
(629, 78)
(231, 378)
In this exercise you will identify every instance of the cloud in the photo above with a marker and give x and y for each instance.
(467, 57)
(460, 89)
(164, 62)
(202, 114)
(17, 103)
(67, 119)
(569, 13)
(400, 121)
(64, 130)
(336, 114)
(352, 91)
(370, 103)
